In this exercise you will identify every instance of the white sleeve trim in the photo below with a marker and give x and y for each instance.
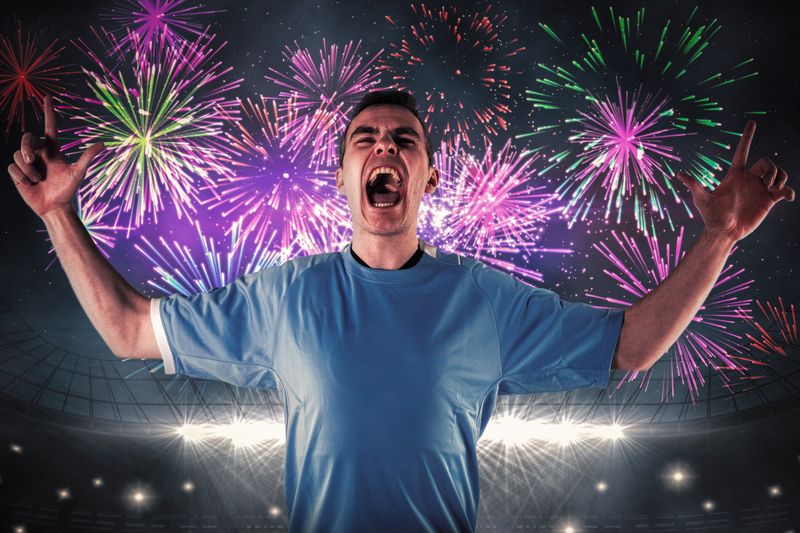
(161, 336)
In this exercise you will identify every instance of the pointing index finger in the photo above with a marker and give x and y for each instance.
(50, 127)
(743, 148)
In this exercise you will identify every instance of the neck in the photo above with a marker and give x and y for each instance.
(386, 252)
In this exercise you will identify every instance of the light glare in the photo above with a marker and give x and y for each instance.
(513, 431)
(239, 433)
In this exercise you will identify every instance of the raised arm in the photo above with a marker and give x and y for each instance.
(47, 183)
(730, 212)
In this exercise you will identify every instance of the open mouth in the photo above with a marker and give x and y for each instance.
(384, 187)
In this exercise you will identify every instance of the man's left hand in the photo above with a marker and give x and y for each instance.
(743, 198)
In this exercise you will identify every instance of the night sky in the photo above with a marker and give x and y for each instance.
(258, 33)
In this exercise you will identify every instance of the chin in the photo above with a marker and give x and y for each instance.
(384, 227)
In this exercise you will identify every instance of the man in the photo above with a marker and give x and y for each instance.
(389, 354)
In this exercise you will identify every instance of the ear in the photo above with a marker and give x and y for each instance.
(339, 181)
(433, 180)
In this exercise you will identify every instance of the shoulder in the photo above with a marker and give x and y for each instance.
(310, 263)
(494, 282)
(480, 272)
(283, 276)
(475, 272)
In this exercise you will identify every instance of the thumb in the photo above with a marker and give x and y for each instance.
(787, 193)
(87, 156)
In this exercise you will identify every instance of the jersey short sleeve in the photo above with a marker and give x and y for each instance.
(226, 334)
(548, 344)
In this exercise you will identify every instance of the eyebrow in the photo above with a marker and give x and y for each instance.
(371, 130)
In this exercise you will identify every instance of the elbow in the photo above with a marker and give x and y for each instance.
(131, 351)
(640, 368)
(636, 362)
(134, 337)
(634, 352)
(122, 348)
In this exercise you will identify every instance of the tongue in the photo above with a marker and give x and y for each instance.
(384, 197)
(384, 190)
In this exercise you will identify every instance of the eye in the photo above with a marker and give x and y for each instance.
(365, 139)
(405, 141)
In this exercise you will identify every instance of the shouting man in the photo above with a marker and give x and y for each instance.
(389, 354)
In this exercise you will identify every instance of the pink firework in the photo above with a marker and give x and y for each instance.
(487, 208)
(624, 153)
(145, 22)
(456, 66)
(161, 119)
(274, 188)
(324, 91)
(29, 71)
(709, 341)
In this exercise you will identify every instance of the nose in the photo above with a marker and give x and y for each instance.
(385, 145)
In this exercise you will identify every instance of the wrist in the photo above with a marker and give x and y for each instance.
(57, 214)
(718, 238)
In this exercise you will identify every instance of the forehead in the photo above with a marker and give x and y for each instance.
(386, 117)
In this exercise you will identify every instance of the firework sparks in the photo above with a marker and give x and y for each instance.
(324, 92)
(708, 342)
(456, 65)
(623, 146)
(629, 148)
(486, 208)
(29, 71)
(274, 187)
(776, 315)
(162, 128)
(148, 22)
(181, 269)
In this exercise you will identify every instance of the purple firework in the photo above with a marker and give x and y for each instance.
(487, 208)
(274, 188)
(148, 22)
(161, 121)
(709, 341)
(188, 270)
(323, 91)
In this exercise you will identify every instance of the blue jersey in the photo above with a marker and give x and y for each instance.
(388, 377)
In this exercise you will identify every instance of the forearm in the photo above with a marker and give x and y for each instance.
(656, 321)
(114, 307)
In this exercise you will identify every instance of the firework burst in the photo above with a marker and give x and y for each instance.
(185, 270)
(324, 91)
(709, 342)
(487, 208)
(29, 71)
(148, 22)
(161, 125)
(633, 103)
(456, 66)
(776, 316)
(274, 187)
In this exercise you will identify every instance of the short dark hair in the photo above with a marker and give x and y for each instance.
(390, 97)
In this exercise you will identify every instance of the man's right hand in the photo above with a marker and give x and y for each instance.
(44, 179)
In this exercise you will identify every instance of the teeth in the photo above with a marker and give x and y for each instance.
(384, 170)
(384, 204)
